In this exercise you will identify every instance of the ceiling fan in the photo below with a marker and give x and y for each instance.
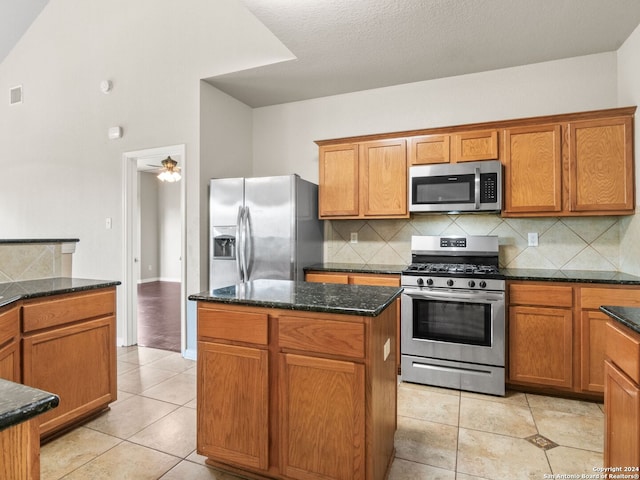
(170, 172)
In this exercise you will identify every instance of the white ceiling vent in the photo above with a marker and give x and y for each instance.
(16, 95)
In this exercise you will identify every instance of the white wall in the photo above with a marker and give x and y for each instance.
(284, 143)
(284, 134)
(169, 231)
(629, 94)
(61, 175)
(148, 225)
(226, 149)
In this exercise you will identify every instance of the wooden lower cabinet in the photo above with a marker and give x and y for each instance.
(557, 332)
(71, 355)
(10, 344)
(383, 280)
(322, 417)
(622, 419)
(233, 412)
(20, 451)
(315, 400)
(540, 346)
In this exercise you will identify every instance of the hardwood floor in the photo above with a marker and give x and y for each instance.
(159, 315)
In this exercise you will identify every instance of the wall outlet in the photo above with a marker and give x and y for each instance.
(107, 223)
(533, 239)
(354, 237)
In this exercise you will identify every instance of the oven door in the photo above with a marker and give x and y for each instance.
(466, 325)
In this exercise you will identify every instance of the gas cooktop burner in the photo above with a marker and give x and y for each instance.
(449, 268)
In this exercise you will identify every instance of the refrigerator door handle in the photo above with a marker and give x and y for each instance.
(246, 245)
(239, 242)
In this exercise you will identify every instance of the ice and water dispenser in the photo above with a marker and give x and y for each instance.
(224, 243)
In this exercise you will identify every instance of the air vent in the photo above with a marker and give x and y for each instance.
(16, 95)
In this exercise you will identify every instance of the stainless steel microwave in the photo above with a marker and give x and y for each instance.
(456, 187)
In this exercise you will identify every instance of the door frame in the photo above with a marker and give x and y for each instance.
(128, 325)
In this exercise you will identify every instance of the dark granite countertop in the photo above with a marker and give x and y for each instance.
(628, 316)
(12, 241)
(13, 291)
(356, 268)
(362, 300)
(531, 274)
(19, 403)
(580, 276)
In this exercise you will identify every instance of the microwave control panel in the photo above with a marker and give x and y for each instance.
(488, 187)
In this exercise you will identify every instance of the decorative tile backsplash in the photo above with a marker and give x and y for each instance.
(30, 261)
(591, 243)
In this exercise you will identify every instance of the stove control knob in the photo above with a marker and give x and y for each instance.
(472, 283)
(483, 284)
(429, 281)
(450, 283)
(420, 282)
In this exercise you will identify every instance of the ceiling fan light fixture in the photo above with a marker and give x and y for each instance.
(170, 171)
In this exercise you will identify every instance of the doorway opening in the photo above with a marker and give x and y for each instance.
(154, 246)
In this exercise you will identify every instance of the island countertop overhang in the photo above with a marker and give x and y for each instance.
(363, 300)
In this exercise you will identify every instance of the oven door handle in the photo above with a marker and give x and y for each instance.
(480, 297)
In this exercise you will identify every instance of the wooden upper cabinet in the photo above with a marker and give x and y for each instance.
(533, 169)
(339, 180)
(476, 145)
(383, 178)
(429, 149)
(363, 180)
(601, 165)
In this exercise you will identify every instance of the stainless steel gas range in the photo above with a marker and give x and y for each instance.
(453, 314)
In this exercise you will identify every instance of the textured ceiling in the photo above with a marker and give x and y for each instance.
(350, 45)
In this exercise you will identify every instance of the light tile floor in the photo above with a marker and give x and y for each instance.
(149, 433)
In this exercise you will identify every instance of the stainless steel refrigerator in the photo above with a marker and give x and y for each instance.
(262, 228)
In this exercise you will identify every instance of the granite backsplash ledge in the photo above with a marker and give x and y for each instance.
(29, 259)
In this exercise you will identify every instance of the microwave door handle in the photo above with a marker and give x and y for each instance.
(477, 188)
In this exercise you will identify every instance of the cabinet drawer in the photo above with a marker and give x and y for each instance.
(233, 326)
(622, 346)
(327, 278)
(552, 295)
(9, 325)
(322, 336)
(595, 297)
(62, 309)
(382, 281)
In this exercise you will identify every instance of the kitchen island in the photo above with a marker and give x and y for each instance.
(19, 433)
(57, 334)
(622, 389)
(297, 380)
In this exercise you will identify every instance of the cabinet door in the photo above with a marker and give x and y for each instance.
(233, 404)
(592, 341)
(472, 146)
(10, 344)
(533, 169)
(322, 417)
(338, 193)
(622, 419)
(540, 346)
(76, 362)
(383, 178)
(601, 165)
(10, 362)
(429, 149)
